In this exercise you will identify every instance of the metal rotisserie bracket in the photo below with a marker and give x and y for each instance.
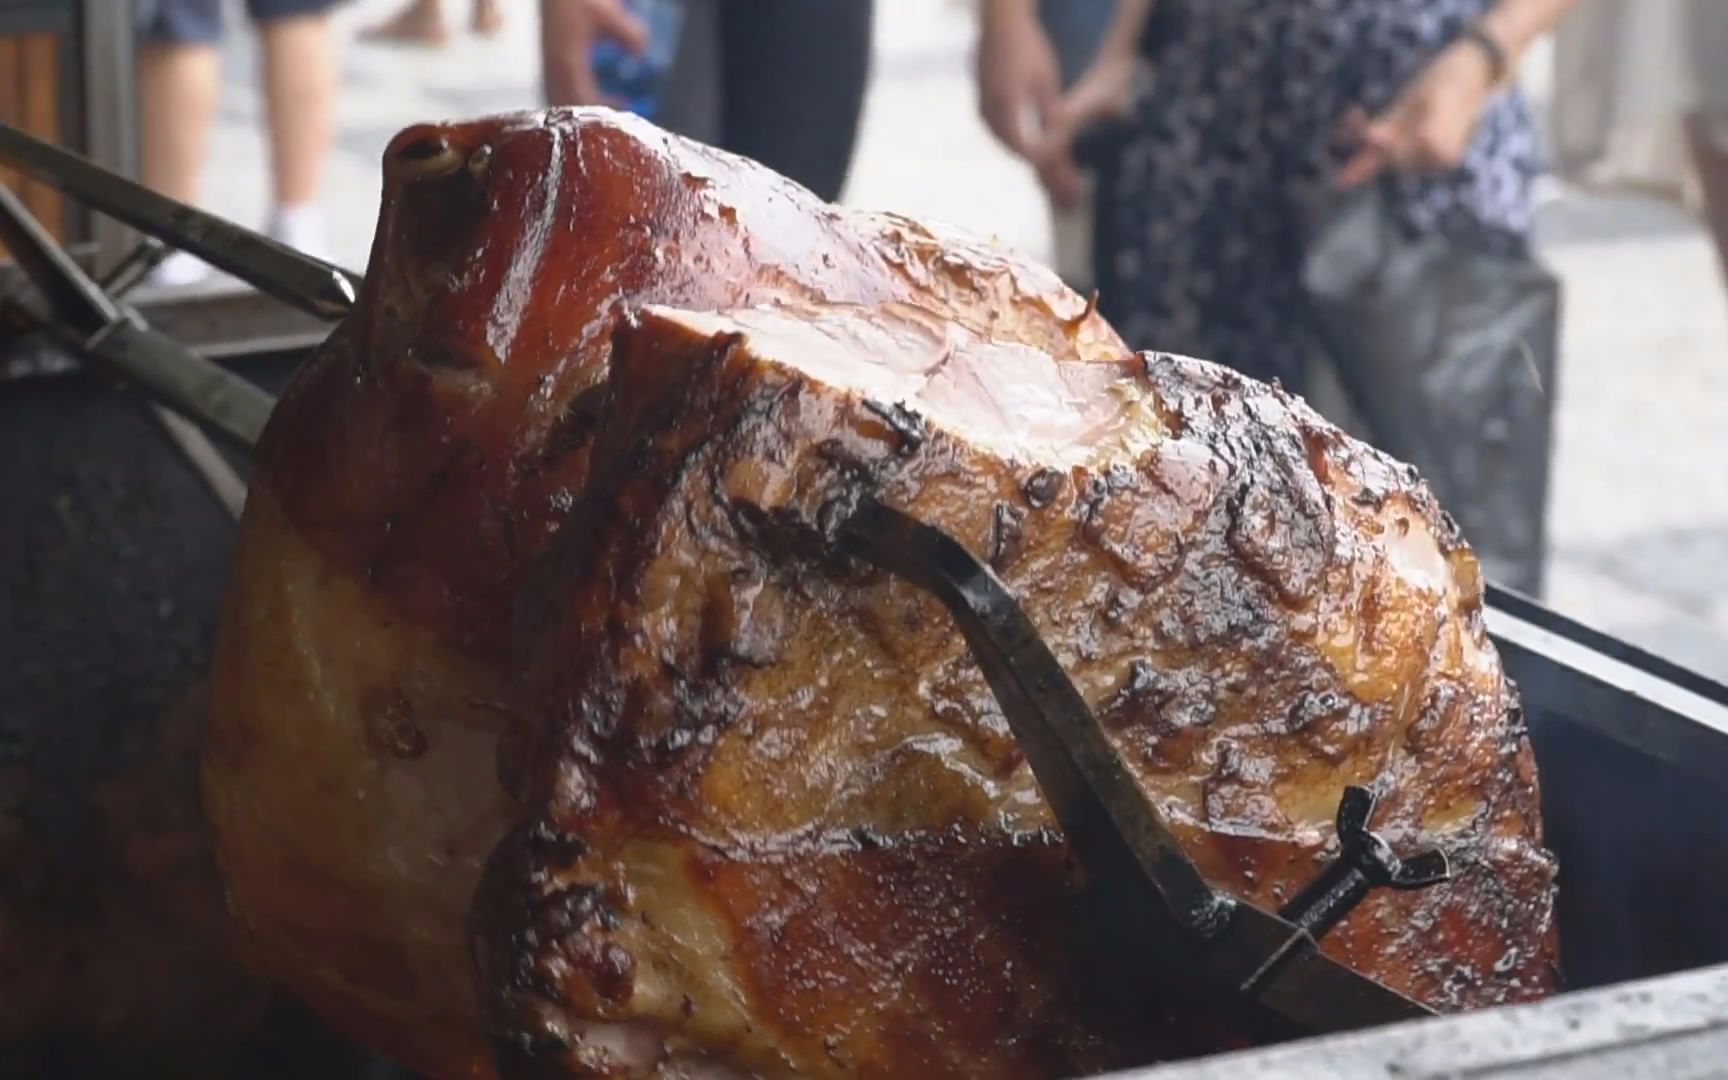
(1633, 750)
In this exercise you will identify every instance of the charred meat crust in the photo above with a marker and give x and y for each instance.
(1251, 601)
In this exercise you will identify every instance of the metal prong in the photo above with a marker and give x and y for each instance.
(130, 271)
(68, 290)
(1355, 810)
(113, 335)
(1420, 871)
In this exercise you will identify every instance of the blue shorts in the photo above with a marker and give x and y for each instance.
(199, 22)
(1076, 29)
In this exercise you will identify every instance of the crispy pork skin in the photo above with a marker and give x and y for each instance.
(416, 467)
(774, 822)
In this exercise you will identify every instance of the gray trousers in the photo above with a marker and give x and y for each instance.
(780, 81)
(1076, 27)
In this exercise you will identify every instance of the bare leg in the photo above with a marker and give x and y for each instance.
(420, 23)
(300, 80)
(300, 102)
(177, 92)
(488, 17)
(1708, 136)
(178, 86)
(565, 38)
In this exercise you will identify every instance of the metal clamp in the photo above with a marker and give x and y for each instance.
(1365, 862)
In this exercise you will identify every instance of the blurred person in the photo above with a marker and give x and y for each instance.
(780, 81)
(1254, 110)
(422, 22)
(1019, 82)
(1641, 102)
(180, 79)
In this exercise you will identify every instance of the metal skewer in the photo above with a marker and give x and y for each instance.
(89, 318)
(98, 328)
(317, 287)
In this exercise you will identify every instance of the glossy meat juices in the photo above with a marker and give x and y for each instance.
(533, 578)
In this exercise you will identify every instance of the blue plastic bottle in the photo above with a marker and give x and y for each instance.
(634, 80)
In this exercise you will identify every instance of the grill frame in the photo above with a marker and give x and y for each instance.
(1673, 1026)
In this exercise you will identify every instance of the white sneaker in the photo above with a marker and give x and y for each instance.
(301, 228)
(179, 270)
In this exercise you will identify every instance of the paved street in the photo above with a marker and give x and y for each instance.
(1640, 514)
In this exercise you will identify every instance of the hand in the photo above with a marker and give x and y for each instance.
(1429, 127)
(1019, 79)
(569, 30)
(1105, 92)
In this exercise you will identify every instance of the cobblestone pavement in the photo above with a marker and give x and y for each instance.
(1640, 513)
